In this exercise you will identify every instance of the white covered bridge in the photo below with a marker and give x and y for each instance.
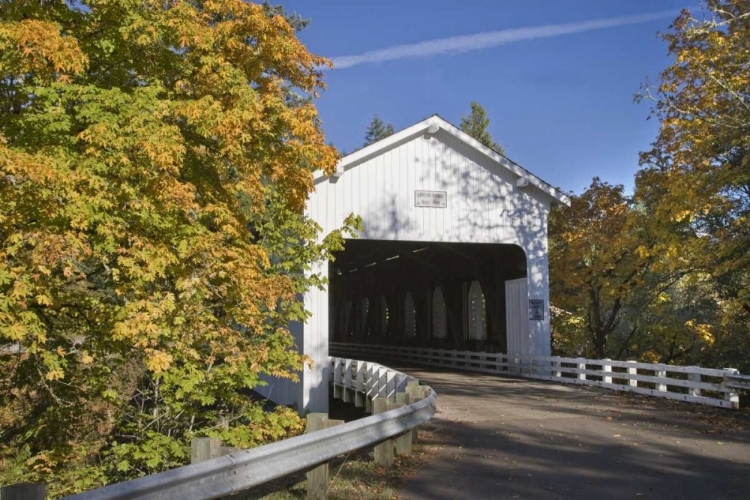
(453, 254)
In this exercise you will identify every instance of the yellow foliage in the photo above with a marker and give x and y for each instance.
(158, 361)
(54, 375)
(155, 158)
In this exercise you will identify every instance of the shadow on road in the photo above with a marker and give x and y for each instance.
(500, 437)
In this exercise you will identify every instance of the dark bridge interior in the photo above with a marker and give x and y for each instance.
(441, 295)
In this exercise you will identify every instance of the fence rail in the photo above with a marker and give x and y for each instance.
(357, 381)
(708, 386)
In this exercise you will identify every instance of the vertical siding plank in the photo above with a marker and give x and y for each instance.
(354, 188)
(412, 186)
(403, 185)
(389, 208)
(453, 189)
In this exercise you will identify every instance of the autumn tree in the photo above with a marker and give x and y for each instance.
(703, 146)
(595, 266)
(699, 167)
(154, 162)
(377, 130)
(615, 295)
(476, 124)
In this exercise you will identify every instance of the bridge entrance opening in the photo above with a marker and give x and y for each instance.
(427, 294)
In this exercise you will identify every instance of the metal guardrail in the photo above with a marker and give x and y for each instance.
(246, 469)
(692, 384)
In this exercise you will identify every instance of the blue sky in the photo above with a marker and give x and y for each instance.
(562, 106)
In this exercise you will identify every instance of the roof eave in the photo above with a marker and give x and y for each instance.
(432, 125)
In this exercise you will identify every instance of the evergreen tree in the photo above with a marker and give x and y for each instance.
(376, 131)
(476, 126)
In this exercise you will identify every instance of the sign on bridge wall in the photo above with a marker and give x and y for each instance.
(536, 309)
(431, 199)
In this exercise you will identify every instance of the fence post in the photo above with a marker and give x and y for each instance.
(337, 382)
(360, 393)
(694, 377)
(660, 386)
(382, 382)
(24, 491)
(369, 386)
(556, 364)
(607, 368)
(632, 371)
(732, 397)
(347, 381)
(391, 385)
(581, 366)
(383, 453)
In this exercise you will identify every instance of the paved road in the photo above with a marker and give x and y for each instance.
(511, 438)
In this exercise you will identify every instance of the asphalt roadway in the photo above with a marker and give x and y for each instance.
(499, 437)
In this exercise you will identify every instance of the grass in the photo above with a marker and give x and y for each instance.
(351, 476)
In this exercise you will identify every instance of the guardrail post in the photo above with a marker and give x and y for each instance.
(202, 449)
(24, 491)
(694, 377)
(414, 392)
(383, 453)
(732, 397)
(607, 368)
(317, 479)
(404, 441)
(581, 366)
(632, 371)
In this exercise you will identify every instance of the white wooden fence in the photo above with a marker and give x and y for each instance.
(361, 382)
(708, 386)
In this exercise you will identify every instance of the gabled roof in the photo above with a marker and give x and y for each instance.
(433, 125)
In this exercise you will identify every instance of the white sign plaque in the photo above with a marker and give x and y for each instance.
(536, 309)
(431, 199)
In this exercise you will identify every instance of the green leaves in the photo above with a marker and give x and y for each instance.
(153, 242)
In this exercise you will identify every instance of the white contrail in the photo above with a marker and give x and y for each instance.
(487, 39)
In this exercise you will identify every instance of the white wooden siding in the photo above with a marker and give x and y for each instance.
(517, 316)
(483, 206)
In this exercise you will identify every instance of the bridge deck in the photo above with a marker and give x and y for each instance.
(511, 438)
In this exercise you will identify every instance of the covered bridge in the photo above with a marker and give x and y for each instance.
(453, 254)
